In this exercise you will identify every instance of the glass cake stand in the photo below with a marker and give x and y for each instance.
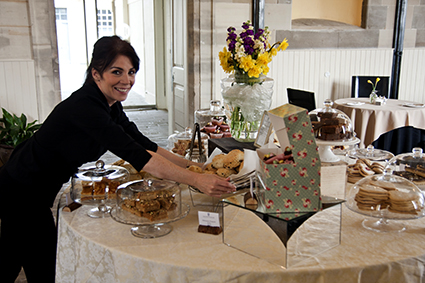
(149, 205)
(143, 228)
(365, 198)
(325, 148)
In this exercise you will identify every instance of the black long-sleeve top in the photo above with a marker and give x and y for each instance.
(80, 129)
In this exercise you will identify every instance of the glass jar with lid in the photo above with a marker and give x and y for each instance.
(97, 185)
(215, 112)
(179, 142)
(410, 166)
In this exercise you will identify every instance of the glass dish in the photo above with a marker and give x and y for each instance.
(386, 197)
(149, 205)
(97, 185)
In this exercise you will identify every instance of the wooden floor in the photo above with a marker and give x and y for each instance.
(152, 123)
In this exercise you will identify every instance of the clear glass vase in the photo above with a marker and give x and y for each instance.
(373, 96)
(245, 100)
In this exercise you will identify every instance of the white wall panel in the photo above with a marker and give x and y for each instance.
(306, 69)
(17, 88)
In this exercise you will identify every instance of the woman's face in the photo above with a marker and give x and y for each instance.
(117, 80)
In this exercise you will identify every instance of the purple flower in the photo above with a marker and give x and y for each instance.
(231, 29)
(259, 33)
(231, 36)
(248, 49)
(250, 32)
(248, 40)
(246, 25)
(232, 45)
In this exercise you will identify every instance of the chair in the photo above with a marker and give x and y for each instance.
(361, 88)
(301, 98)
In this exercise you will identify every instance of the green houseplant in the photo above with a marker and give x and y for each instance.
(13, 131)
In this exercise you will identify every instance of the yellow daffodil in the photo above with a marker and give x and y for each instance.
(265, 69)
(246, 63)
(283, 45)
(255, 71)
(263, 59)
(225, 60)
(374, 84)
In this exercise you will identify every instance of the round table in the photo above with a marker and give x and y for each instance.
(103, 250)
(370, 121)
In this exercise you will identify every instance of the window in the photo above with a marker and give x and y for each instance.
(104, 23)
(61, 14)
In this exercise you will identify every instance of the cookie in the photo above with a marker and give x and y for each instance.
(404, 202)
(231, 162)
(223, 172)
(383, 184)
(210, 168)
(366, 161)
(371, 198)
(218, 161)
(365, 170)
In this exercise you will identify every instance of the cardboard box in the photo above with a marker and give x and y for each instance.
(291, 187)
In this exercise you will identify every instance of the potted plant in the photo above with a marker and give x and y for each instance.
(13, 131)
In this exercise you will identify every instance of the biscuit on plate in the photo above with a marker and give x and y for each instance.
(223, 172)
(218, 161)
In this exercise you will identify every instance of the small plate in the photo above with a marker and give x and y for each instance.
(354, 103)
(414, 105)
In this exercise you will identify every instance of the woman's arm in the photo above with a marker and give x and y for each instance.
(179, 161)
(210, 184)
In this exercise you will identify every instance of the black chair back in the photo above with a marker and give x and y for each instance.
(361, 88)
(301, 98)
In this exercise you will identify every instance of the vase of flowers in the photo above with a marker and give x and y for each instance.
(247, 91)
(374, 93)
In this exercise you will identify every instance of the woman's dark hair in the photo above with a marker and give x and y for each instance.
(105, 50)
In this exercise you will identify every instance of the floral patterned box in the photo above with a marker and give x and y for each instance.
(291, 187)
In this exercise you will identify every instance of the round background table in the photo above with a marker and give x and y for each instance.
(371, 121)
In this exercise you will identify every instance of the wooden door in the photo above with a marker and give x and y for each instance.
(180, 102)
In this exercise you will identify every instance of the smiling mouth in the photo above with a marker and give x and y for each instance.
(122, 89)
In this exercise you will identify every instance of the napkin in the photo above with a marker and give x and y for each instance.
(354, 103)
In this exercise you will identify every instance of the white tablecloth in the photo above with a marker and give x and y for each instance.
(371, 121)
(103, 250)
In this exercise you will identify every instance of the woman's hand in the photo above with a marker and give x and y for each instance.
(213, 185)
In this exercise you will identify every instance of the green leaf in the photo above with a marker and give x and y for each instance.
(16, 129)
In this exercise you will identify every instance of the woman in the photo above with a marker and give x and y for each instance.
(80, 129)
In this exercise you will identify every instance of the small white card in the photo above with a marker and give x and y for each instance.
(211, 219)
(68, 199)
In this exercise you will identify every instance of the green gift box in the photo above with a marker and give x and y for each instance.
(291, 187)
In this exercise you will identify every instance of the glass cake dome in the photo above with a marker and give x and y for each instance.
(330, 124)
(386, 197)
(97, 185)
(149, 204)
(179, 142)
(94, 183)
(410, 166)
